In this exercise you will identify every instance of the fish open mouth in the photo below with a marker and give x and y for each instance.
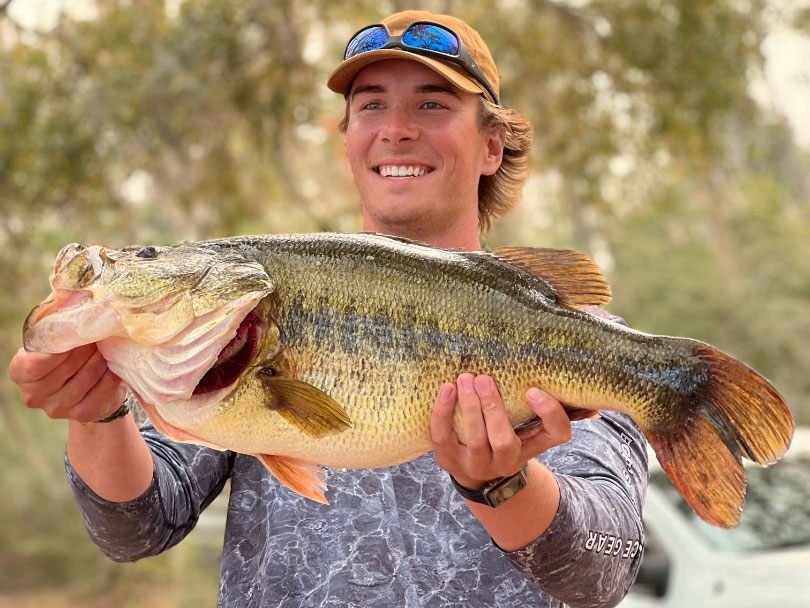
(233, 359)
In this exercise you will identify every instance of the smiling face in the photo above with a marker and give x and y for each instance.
(417, 153)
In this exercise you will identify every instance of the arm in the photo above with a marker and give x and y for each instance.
(591, 552)
(493, 450)
(138, 494)
(186, 479)
(560, 525)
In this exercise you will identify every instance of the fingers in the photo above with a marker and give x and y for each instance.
(446, 446)
(76, 384)
(503, 442)
(76, 388)
(29, 366)
(441, 417)
(101, 400)
(489, 447)
(475, 429)
(556, 427)
(40, 375)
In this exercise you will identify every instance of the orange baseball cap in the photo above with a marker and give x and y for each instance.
(340, 81)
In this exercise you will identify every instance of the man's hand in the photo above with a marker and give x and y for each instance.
(491, 448)
(76, 385)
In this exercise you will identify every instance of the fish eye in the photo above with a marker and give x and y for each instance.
(147, 253)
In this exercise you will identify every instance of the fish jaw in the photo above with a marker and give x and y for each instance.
(171, 372)
(160, 316)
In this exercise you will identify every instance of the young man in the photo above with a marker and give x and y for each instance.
(434, 157)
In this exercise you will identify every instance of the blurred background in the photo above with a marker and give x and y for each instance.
(672, 144)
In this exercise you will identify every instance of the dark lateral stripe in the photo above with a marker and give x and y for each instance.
(351, 333)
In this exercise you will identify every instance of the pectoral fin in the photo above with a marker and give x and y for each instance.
(303, 405)
(304, 478)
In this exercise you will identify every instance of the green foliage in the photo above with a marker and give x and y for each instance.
(153, 125)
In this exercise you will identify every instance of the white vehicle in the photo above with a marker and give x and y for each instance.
(765, 562)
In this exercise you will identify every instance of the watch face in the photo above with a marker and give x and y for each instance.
(506, 490)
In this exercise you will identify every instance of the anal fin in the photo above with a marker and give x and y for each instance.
(304, 478)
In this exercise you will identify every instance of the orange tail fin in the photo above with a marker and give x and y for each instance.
(736, 414)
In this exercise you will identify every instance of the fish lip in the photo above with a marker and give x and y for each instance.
(54, 303)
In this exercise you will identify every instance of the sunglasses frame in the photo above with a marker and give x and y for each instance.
(463, 59)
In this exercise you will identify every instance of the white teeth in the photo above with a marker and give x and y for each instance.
(402, 170)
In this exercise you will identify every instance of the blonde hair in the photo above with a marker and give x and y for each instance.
(500, 192)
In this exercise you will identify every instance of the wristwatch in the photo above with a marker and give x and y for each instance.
(497, 491)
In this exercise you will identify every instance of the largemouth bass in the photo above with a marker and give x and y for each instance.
(328, 349)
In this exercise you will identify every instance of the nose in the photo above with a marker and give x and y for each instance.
(399, 126)
(77, 266)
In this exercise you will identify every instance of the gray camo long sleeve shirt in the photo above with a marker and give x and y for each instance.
(399, 536)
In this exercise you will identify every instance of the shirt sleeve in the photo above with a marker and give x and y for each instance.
(591, 553)
(186, 479)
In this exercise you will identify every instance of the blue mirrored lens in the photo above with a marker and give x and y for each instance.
(369, 39)
(431, 37)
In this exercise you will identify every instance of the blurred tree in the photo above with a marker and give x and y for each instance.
(159, 121)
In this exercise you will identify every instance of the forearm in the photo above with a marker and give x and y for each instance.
(111, 458)
(590, 554)
(184, 479)
(524, 518)
(124, 531)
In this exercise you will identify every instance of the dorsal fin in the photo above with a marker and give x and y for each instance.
(573, 275)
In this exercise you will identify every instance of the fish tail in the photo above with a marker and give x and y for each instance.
(735, 413)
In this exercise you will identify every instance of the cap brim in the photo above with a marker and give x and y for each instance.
(341, 79)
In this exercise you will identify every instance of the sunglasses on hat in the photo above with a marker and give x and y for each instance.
(423, 38)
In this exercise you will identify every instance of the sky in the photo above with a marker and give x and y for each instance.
(785, 87)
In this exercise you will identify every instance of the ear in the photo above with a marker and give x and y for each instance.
(493, 158)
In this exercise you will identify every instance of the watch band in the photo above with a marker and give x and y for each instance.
(497, 491)
(119, 413)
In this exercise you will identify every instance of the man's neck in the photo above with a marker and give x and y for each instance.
(461, 237)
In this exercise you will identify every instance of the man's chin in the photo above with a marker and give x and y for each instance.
(402, 219)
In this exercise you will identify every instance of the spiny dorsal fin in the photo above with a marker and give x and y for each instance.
(303, 405)
(573, 275)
